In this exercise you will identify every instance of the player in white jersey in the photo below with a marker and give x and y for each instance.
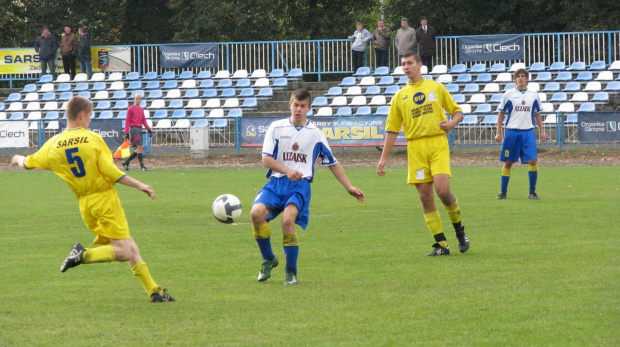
(522, 109)
(290, 149)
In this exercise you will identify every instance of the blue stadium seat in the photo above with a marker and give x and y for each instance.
(543, 77)
(572, 118)
(363, 111)
(598, 65)
(206, 84)
(235, 112)
(572, 87)
(121, 105)
(80, 87)
(191, 94)
(577, 66)
(484, 78)
(551, 87)
(119, 94)
(204, 74)
(98, 86)
(557, 66)
(382, 111)
(559, 97)
(295, 74)
(587, 107)
(121, 114)
(362, 71)
(265, 93)
(170, 84)
(498, 67)
(30, 88)
(160, 114)
(469, 120)
(228, 93)
(334, 91)
(537, 67)
(17, 116)
(136, 92)
(106, 115)
(243, 83)
(197, 113)
(276, 73)
(179, 114)
(84, 94)
(478, 68)
(344, 111)
(168, 75)
(459, 98)
(247, 93)
(175, 103)
(386, 81)
(391, 90)
(151, 75)
(186, 75)
(51, 115)
(512, 85)
(458, 69)
(132, 76)
(348, 82)
(613, 86)
(320, 101)
(471, 88)
(402, 80)
(382, 71)
(65, 96)
(483, 108)
(2, 107)
(280, 83)
(49, 96)
(489, 120)
(103, 105)
(209, 93)
(600, 97)
(219, 124)
(225, 83)
(428, 77)
(134, 85)
(463, 78)
(152, 85)
(584, 76)
(564, 76)
(496, 98)
(201, 123)
(373, 90)
(63, 87)
(45, 79)
(250, 103)
(155, 94)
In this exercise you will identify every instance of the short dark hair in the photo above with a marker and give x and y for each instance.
(76, 105)
(416, 56)
(82, 29)
(301, 94)
(521, 71)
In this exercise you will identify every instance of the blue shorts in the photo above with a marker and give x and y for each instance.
(280, 192)
(519, 144)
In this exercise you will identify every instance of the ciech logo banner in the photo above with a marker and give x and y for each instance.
(14, 134)
(192, 55)
(496, 47)
(109, 129)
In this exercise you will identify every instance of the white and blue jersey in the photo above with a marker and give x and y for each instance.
(520, 107)
(297, 147)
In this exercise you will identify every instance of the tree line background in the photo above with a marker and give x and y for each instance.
(169, 21)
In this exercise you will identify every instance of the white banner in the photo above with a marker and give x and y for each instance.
(13, 134)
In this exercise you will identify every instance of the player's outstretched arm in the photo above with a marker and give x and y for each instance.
(341, 176)
(390, 138)
(132, 182)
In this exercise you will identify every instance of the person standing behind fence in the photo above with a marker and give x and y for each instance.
(405, 38)
(83, 52)
(381, 38)
(133, 131)
(46, 45)
(425, 36)
(359, 40)
(68, 51)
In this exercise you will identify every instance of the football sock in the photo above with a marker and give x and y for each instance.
(103, 254)
(262, 234)
(144, 276)
(505, 179)
(140, 159)
(533, 175)
(133, 155)
(454, 212)
(291, 251)
(433, 222)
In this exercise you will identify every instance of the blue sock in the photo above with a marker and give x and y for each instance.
(504, 186)
(533, 178)
(292, 253)
(265, 248)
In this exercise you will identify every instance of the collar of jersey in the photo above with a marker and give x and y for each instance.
(298, 127)
(414, 83)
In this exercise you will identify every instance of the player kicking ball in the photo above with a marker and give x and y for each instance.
(82, 159)
(290, 149)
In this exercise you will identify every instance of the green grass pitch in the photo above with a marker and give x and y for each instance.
(538, 272)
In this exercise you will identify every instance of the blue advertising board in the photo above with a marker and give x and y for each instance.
(486, 48)
(190, 55)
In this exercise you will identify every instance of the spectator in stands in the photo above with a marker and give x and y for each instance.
(83, 53)
(425, 36)
(82, 159)
(419, 109)
(522, 106)
(46, 45)
(290, 150)
(359, 40)
(133, 131)
(381, 38)
(68, 51)
(405, 38)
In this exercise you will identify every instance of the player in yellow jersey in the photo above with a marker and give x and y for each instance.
(82, 159)
(419, 109)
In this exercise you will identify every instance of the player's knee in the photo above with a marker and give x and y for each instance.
(258, 214)
(288, 223)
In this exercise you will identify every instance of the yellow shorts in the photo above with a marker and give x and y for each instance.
(103, 214)
(428, 156)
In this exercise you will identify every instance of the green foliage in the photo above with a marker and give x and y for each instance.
(538, 272)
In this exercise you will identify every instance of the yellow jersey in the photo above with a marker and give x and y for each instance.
(81, 158)
(418, 108)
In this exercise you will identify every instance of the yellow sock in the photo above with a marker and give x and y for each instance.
(103, 254)
(505, 172)
(433, 222)
(262, 232)
(290, 240)
(533, 167)
(454, 212)
(144, 276)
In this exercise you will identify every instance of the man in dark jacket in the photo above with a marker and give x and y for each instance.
(425, 35)
(46, 45)
(83, 52)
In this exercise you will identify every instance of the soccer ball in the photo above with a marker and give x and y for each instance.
(226, 208)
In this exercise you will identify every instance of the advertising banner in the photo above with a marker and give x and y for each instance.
(14, 134)
(339, 131)
(193, 55)
(599, 127)
(109, 129)
(26, 60)
(496, 47)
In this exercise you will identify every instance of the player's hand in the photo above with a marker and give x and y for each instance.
(126, 136)
(294, 175)
(358, 194)
(18, 160)
(543, 137)
(498, 137)
(380, 171)
(149, 131)
(148, 190)
(446, 126)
